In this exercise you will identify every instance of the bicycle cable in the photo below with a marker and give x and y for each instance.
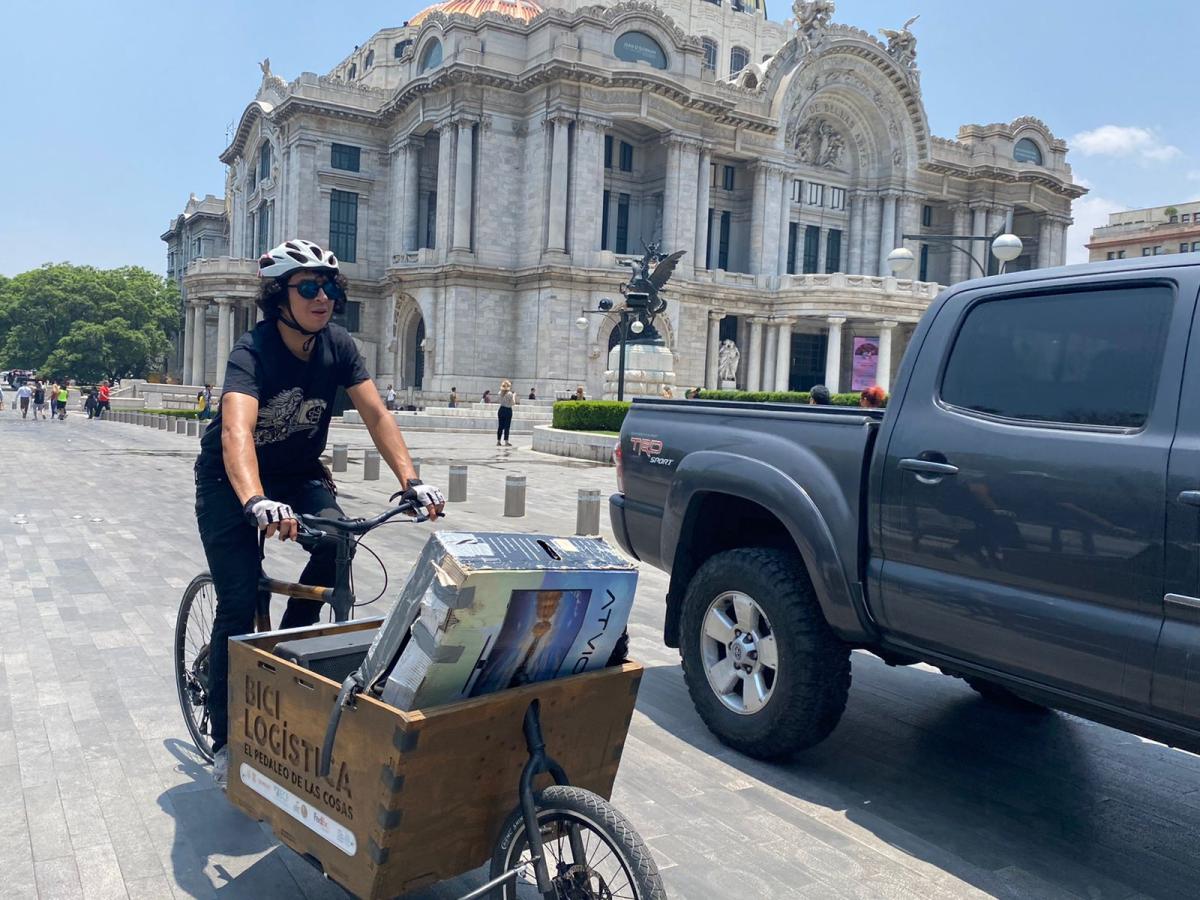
(359, 543)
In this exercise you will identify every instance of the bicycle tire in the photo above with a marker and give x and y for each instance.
(191, 679)
(563, 805)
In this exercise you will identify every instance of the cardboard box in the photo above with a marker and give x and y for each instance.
(412, 798)
(484, 612)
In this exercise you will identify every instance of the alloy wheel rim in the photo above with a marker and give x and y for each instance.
(737, 647)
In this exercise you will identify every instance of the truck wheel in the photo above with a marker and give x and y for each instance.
(1002, 696)
(765, 671)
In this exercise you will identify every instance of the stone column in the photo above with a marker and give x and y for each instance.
(711, 372)
(189, 324)
(980, 249)
(872, 216)
(785, 217)
(1059, 230)
(959, 261)
(783, 356)
(833, 354)
(1043, 247)
(883, 371)
(464, 188)
(702, 200)
(909, 217)
(412, 194)
(556, 240)
(444, 188)
(757, 202)
(200, 308)
(714, 239)
(822, 250)
(887, 232)
(587, 190)
(854, 240)
(670, 235)
(768, 366)
(224, 326)
(754, 363)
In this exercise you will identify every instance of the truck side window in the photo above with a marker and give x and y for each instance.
(1084, 357)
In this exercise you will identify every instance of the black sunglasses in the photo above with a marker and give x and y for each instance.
(310, 287)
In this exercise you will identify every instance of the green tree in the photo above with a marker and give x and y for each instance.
(85, 322)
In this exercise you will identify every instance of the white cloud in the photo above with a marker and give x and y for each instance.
(1089, 212)
(1124, 141)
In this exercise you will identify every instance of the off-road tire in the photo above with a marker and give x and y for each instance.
(1002, 696)
(562, 803)
(813, 677)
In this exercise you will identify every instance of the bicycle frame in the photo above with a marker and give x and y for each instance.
(340, 597)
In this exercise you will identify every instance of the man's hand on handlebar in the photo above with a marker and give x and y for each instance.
(424, 496)
(272, 517)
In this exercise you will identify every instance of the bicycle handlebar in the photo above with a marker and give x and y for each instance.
(311, 525)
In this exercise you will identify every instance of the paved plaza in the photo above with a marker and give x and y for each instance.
(924, 791)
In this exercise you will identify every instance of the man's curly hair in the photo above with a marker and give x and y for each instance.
(273, 292)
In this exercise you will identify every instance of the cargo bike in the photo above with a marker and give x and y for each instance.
(412, 798)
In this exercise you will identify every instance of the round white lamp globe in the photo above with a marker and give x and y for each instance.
(581, 323)
(1007, 247)
(637, 327)
(901, 261)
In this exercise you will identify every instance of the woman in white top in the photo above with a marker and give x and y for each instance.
(505, 413)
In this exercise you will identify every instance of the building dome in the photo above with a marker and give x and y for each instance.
(524, 10)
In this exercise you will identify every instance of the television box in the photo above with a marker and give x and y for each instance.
(482, 612)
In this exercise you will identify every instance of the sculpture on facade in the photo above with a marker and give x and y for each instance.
(728, 357)
(269, 79)
(902, 44)
(812, 19)
(832, 146)
(820, 144)
(651, 284)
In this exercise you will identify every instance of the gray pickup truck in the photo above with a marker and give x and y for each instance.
(1023, 515)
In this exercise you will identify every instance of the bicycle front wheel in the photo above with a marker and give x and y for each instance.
(591, 850)
(193, 633)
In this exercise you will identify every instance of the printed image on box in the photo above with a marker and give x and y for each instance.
(484, 612)
(538, 633)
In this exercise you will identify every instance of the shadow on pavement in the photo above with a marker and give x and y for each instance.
(1013, 802)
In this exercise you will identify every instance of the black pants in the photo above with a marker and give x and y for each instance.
(505, 414)
(231, 545)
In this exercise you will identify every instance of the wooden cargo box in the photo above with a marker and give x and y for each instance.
(412, 798)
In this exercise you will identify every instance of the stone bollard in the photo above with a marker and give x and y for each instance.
(587, 513)
(514, 496)
(180, 425)
(458, 484)
(341, 453)
(371, 465)
(193, 427)
(163, 422)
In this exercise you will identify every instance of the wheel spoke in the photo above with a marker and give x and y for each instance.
(746, 612)
(767, 653)
(723, 676)
(718, 626)
(754, 693)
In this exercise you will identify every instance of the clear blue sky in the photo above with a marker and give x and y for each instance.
(116, 111)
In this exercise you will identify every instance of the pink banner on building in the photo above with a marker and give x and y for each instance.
(866, 361)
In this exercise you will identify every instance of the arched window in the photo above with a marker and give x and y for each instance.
(637, 46)
(264, 161)
(370, 60)
(710, 54)
(1027, 151)
(401, 46)
(353, 73)
(739, 57)
(431, 57)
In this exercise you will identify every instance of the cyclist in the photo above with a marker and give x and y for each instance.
(259, 464)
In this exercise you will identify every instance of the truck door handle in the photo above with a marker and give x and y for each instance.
(1189, 498)
(928, 471)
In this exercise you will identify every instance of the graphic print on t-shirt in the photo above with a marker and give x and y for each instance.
(285, 414)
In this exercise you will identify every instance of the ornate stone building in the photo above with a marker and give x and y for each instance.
(482, 171)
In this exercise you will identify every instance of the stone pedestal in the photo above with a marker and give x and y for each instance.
(647, 368)
(729, 385)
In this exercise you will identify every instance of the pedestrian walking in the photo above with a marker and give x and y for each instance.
(505, 413)
(39, 400)
(533, 393)
(208, 402)
(62, 402)
(24, 395)
(89, 403)
(454, 397)
(391, 398)
(103, 398)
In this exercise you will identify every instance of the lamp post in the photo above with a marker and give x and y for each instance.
(628, 321)
(1004, 245)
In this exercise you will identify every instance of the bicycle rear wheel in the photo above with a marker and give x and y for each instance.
(609, 860)
(193, 630)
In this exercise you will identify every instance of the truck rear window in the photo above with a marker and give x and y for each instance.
(1083, 358)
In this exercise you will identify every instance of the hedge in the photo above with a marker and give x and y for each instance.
(850, 399)
(590, 415)
(181, 413)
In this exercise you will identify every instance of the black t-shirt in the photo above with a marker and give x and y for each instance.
(295, 398)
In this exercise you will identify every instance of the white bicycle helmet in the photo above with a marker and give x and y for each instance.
(296, 254)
